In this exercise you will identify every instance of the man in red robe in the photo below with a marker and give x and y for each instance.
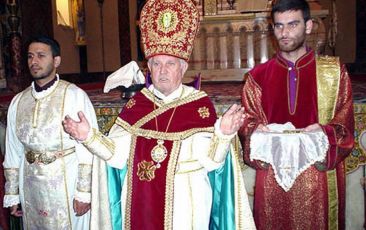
(314, 94)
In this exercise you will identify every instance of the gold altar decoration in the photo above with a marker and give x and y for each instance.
(358, 155)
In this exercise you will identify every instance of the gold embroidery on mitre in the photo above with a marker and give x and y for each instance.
(146, 170)
(204, 112)
(167, 20)
(130, 103)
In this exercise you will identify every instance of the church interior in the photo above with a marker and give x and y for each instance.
(97, 37)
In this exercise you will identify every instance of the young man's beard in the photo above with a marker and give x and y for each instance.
(298, 42)
(40, 78)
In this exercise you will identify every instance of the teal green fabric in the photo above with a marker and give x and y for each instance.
(116, 178)
(223, 197)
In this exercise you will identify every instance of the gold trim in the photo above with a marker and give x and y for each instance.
(174, 136)
(12, 181)
(129, 183)
(333, 200)
(66, 85)
(90, 139)
(101, 140)
(213, 147)
(189, 171)
(169, 189)
(328, 80)
(237, 185)
(66, 191)
(84, 178)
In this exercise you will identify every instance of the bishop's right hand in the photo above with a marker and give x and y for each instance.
(77, 129)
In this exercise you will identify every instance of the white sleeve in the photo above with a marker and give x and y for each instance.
(114, 148)
(77, 100)
(211, 149)
(14, 155)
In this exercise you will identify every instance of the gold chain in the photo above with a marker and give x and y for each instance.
(171, 116)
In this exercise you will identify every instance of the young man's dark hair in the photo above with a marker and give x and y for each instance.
(55, 46)
(281, 6)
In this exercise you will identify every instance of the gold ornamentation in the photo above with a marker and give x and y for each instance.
(204, 112)
(130, 103)
(169, 27)
(84, 178)
(292, 131)
(146, 170)
(163, 108)
(47, 157)
(328, 80)
(210, 7)
(174, 136)
(167, 20)
(159, 153)
(12, 181)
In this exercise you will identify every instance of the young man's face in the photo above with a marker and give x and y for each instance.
(290, 30)
(42, 65)
(166, 73)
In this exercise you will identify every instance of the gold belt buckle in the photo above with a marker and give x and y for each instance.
(40, 157)
(45, 159)
(32, 156)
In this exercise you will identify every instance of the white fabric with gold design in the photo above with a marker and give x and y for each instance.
(190, 211)
(289, 151)
(46, 191)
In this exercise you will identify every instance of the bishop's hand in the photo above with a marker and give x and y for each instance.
(77, 129)
(232, 120)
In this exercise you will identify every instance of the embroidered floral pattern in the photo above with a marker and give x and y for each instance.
(204, 112)
(130, 103)
(146, 170)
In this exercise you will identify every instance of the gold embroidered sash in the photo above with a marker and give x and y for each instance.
(328, 79)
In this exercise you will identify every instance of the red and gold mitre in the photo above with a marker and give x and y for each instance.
(169, 27)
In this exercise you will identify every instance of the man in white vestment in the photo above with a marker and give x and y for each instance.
(166, 142)
(48, 175)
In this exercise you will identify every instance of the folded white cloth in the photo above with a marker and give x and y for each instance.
(289, 151)
(125, 76)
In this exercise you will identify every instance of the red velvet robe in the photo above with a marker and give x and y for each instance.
(156, 196)
(266, 100)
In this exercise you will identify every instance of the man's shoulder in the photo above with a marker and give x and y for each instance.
(70, 86)
(261, 68)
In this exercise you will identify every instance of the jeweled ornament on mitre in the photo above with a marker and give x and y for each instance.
(169, 27)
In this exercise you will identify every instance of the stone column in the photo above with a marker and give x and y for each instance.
(250, 50)
(223, 47)
(236, 47)
(264, 47)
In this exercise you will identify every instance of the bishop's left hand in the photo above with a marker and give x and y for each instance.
(232, 120)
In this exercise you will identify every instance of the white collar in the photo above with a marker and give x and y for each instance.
(44, 93)
(171, 97)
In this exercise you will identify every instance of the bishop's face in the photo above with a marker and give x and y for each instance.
(41, 63)
(290, 30)
(166, 73)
